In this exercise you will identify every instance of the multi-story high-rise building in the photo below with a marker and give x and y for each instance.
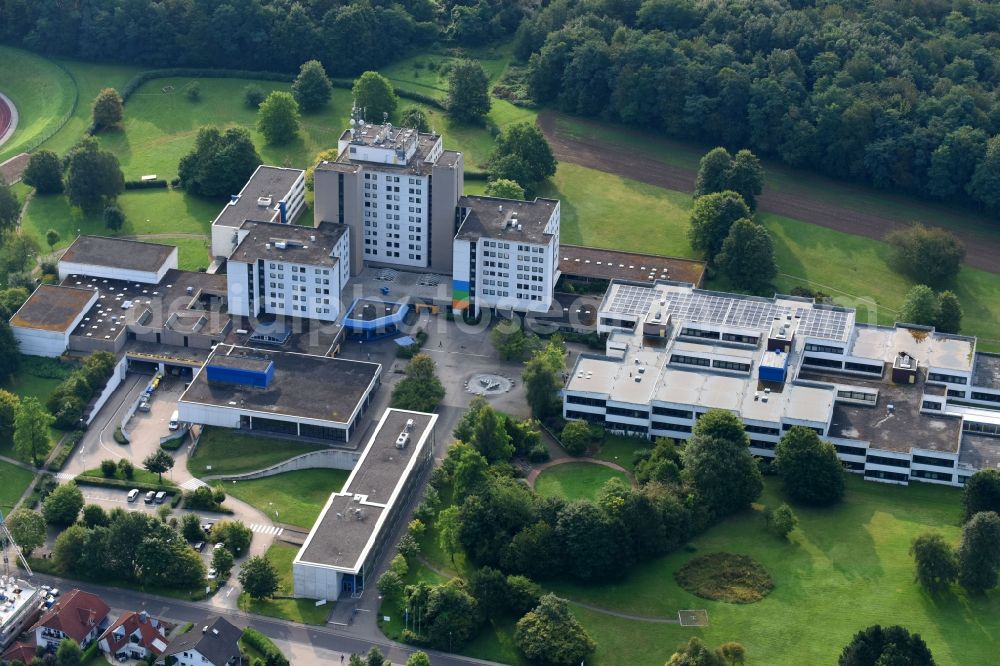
(288, 270)
(506, 254)
(397, 190)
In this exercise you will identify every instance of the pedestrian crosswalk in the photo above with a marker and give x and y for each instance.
(193, 484)
(266, 529)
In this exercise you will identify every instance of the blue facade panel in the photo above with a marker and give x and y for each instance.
(242, 376)
(773, 366)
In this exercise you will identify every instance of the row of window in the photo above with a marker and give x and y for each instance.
(857, 395)
(863, 367)
(981, 428)
(937, 462)
(826, 349)
(989, 397)
(690, 360)
(631, 413)
(947, 379)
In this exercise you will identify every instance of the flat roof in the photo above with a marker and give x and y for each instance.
(417, 164)
(307, 336)
(53, 307)
(122, 253)
(506, 219)
(266, 181)
(304, 385)
(370, 309)
(599, 263)
(939, 350)
(289, 242)
(903, 429)
(986, 370)
(980, 451)
(166, 304)
(341, 537)
(18, 594)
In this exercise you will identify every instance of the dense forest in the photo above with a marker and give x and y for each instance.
(264, 35)
(899, 93)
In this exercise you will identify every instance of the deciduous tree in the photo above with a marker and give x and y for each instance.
(576, 437)
(551, 634)
(782, 521)
(31, 430)
(747, 256)
(523, 155)
(312, 88)
(921, 306)
(93, 177)
(420, 390)
(28, 529)
(504, 188)
(9, 404)
(62, 506)
(222, 562)
(108, 110)
(278, 118)
(712, 217)
(931, 255)
(981, 492)
(949, 318)
(937, 567)
(468, 92)
(374, 94)
(542, 377)
(158, 462)
(696, 653)
(809, 467)
(44, 172)
(718, 463)
(220, 163)
(414, 117)
(878, 646)
(10, 208)
(979, 553)
(259, 578)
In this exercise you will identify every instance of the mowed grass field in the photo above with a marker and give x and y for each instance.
(15, 482)
(297, 496)
(577, 480)
(228, 452)
(42, 92)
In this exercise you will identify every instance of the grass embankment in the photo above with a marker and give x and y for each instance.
(229, 452)
(573, 481)
(15, 481)
(296, 610)
(295, 498)
(42, 92)
(139, 477)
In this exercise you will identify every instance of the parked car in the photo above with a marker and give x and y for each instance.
(144, 406)
(54, 591)
(133, 494)
(198, 545)
(150, 496)
(174, 421)
(218, 546)
(206, 527)
(212, 574)
(160, 496)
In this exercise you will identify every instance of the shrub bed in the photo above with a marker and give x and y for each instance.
(72, 440)
(159, 183)
(100, 481)
(258, 641)
(736, 579)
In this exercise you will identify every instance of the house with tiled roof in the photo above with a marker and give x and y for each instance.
(133, 636)
(216, 643)
(19, 651)
(79, 615)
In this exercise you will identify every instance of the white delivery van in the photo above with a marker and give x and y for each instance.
(174, 424)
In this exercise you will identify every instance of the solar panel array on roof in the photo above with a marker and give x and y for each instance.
(632, 300)
(822, 323)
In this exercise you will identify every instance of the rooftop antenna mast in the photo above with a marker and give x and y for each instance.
(7, 538)
(357, 120)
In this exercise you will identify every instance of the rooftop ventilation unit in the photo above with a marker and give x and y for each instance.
(403, 438)
(409, 425)
(281, 245)
(263, 202)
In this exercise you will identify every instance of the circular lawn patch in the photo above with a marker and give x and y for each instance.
(737, 579)
(575, 480)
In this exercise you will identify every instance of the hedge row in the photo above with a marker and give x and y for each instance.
(72, 440)
(264, 645)
(348, 84)
(157, 184)
(101, 482)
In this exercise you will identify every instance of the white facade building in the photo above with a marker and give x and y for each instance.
(506, 254)
(892, 400)
(118, 259)
(273, 194)
(43, 324)
(288, 270)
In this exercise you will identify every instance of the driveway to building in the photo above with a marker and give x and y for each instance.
(145, 430)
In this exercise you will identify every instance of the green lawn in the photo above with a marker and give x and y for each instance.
(231, 452)
(620, 450)
(296, 610)
(15, 482)
(573, 481)
(424, 73)
(298, 496)
(845, 568)
(23, 384)
(603, 210)
(42, 92)
(780, 177)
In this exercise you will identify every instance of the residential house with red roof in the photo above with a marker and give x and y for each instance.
(79, 615)
(134, 636)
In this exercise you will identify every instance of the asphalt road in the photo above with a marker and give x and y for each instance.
(334, 640)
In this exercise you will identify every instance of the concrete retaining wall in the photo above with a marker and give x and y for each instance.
(324, 459)
(113, 383)
(177, 434)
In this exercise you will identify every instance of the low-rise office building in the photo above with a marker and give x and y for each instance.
(886, 397)
(339, 555)
(506, 254)
(286, 393)
(118, 259)
(273, 194)
(43, 324)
